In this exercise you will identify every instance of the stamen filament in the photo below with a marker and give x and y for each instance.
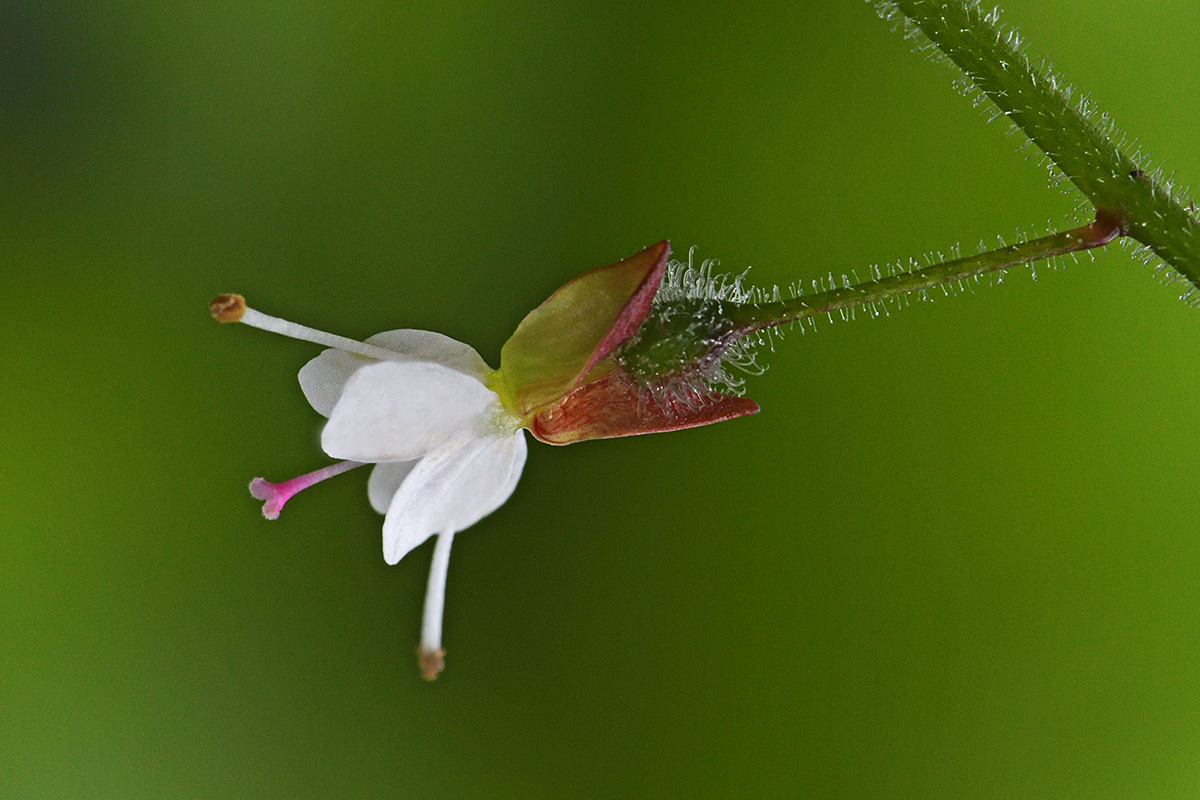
(257, 319)
(275, 495)
(430, 654)
(233, 308)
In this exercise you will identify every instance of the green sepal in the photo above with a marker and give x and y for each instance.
(561, 340)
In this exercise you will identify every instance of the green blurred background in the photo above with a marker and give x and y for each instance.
(957, 554)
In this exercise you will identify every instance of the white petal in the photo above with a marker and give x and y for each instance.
(323, 378)
(385, 480)
(434, 347)
(452, 488)
(398, 411)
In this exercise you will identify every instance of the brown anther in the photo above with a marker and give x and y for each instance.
(228, 308)
(432, 662)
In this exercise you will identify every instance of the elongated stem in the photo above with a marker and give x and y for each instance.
(1067, 127)
(769, 315)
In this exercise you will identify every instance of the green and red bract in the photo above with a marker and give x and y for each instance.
(557, 373)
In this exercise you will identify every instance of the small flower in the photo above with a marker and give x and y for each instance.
(446, 432)
(414, 404)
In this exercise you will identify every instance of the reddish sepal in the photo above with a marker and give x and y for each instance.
(613, 406)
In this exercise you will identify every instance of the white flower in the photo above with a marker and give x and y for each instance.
(445, 450)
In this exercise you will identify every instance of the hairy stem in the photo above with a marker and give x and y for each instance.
(749, 318)
(1069, 130)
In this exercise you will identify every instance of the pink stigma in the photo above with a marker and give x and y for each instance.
(274, 495)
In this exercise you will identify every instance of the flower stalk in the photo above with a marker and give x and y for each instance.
(755, 317)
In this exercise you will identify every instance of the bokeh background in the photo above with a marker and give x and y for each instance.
(957, 554)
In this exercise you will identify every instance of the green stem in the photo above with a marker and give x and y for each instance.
(1080, 141)
(750, 318)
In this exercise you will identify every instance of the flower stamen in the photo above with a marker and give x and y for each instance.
(233, 308)
(430, 654)
(228, 308)
(274, 495)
